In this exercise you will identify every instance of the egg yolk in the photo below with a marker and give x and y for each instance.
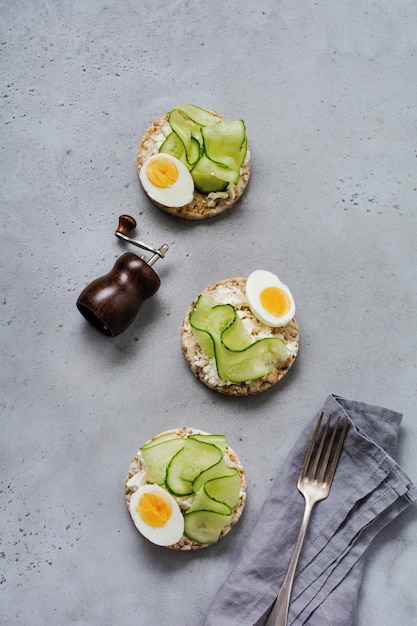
(162, 172)
(154, 509)
(275, 301)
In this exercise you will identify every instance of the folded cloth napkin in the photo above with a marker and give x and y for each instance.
(369, 490)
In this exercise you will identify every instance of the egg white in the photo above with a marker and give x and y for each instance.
(256, 282)
(178, 194)
(165, 535)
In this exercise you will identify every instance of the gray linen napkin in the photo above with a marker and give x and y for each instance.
(369, 490)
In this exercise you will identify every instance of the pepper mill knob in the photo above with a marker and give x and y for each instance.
(127, 223)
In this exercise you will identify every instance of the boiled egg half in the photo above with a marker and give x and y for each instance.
(156, 515)
(166, 180)
(269, 299)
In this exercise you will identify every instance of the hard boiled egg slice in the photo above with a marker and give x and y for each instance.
(269, 299)
(156, 515)
(166, 180)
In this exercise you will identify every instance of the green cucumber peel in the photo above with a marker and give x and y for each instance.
(173, 481)
(216, 470)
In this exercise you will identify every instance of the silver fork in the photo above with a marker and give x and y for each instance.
(315, 485)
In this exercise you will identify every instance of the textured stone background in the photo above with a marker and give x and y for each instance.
(328, 93)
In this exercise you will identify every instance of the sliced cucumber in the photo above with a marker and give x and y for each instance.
(204, 179)
(157, 457)
(216, 440)
(212, 149)
(184, 129)
(198, 456)
(237, 359)
(159, 439)
(234, 335)
(210, 175)
(253, 362)
(173, 481)
(211, 318)
(225, 489)
(208, 167)
(174, 146)
(225, 143)
(200, 116)
(199, 313)
(203, 502)
(205, 526)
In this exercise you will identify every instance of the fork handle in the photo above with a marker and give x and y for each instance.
(279, 613)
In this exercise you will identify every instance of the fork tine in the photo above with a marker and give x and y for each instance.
(304, 469)
(324, 464)
(338, 451)
(320, 448)
(328, 451)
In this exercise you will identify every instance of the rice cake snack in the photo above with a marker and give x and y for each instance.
(233, 292)
(198, 139)
(166, 456)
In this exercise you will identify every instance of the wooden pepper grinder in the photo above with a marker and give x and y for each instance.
(110, 303)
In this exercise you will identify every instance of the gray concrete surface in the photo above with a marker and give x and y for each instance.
(328, 93)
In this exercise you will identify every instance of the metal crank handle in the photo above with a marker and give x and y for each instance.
(125, 226)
